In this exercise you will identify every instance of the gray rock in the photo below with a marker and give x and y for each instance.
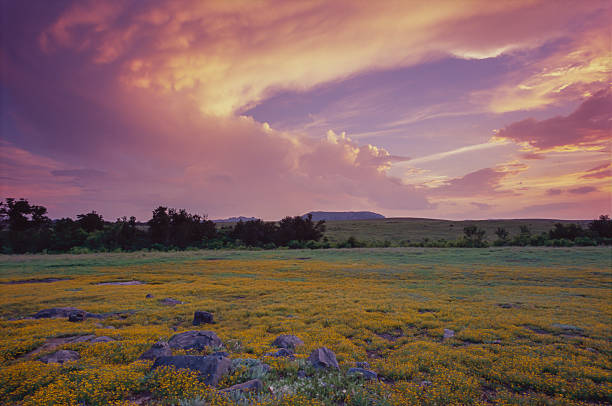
(170, 301)
(448, 333)
(282, 353)
(287, 341)
(201, 317)
(253, 386)
(77, 316)
(149, 296)
(301, 374)
(366, 373)
(323, 358)
(425, 384)
(197, 340)
(54, 312)
(210, 368)
(159, 349)
(568, 327)
(59, 357)
(364, 364)
(102, 339)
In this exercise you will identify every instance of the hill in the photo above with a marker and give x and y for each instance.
(344, 215)
(397, 230)
(235, 219)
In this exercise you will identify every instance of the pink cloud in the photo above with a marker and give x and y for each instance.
(587, 127)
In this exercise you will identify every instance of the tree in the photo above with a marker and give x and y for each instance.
(568, 232)
(501, 233)
(90, 222)
(601, 228)
(474, 236)
(27, 226)
(254, 233)
(159, 226)
(67, 234)
(299, 229)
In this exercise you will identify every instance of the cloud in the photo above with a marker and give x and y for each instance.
(582, 190)
(600, 171)
(78, 173)
(554, 192)
(588, 127)
(481, 206)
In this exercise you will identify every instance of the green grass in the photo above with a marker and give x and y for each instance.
(398, 230)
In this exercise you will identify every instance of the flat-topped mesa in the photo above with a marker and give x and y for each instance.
(197, 340)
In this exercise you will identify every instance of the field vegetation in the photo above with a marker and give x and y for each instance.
(499, 325)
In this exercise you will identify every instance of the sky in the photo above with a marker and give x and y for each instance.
(448, 109)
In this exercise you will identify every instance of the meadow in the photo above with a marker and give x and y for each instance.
(530, 325)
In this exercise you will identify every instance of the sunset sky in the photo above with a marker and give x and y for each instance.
(445, 109)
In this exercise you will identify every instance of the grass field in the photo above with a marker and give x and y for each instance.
(532, 326)
(397, 230)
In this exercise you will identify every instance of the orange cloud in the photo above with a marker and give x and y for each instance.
(228, 56)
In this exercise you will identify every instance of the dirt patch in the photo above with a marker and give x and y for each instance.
(41, 280)
(125, 283)
(392, 335)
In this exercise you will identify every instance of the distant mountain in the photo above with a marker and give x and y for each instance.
(344, 215)
(235, 219)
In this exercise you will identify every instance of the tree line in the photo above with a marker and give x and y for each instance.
(25, 227)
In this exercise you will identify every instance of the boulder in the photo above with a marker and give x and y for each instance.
(77, 316)
(201, 317)
(366, 373)
(254, 386)
(282, 353)
(210, 368)
(287, 341)
(448, 333)
(323, 358)
(170, 302)
(102, 339)
(197, 340)
(149, 296)
(59, 357)
(364, 364)
(159, 349)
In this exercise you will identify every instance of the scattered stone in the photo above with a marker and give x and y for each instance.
(59, 357)
(364, 364)
(366, 373)
(159, 349)
(221, 353)
(149, 296)
(301, 374)
(323, 358)
(201, 317)
(210, 368)
(254, 386)
(425, 384)
(506, 305)
(54, 312)
(102, 339)
(122, 283)
(392, 335)
(170, 302)
(287, 341)
(448, 333)
(77, 316)
(197, 340)
(282, 353)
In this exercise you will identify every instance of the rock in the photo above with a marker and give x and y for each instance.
(125, 283)
(425, 384)
(323, 358)
(102, 339)
(77, 316)
(159, 349)
(170, 302)
(448, 333)
(54, 312)
(59, 357)
(210, 368)
(568, 327)
(254, 386)
(149, 296)
(282, 353)
(287, 341)
(201, 317)
(301, 374)
(197, 340)
(364, 364)
(366, 373)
